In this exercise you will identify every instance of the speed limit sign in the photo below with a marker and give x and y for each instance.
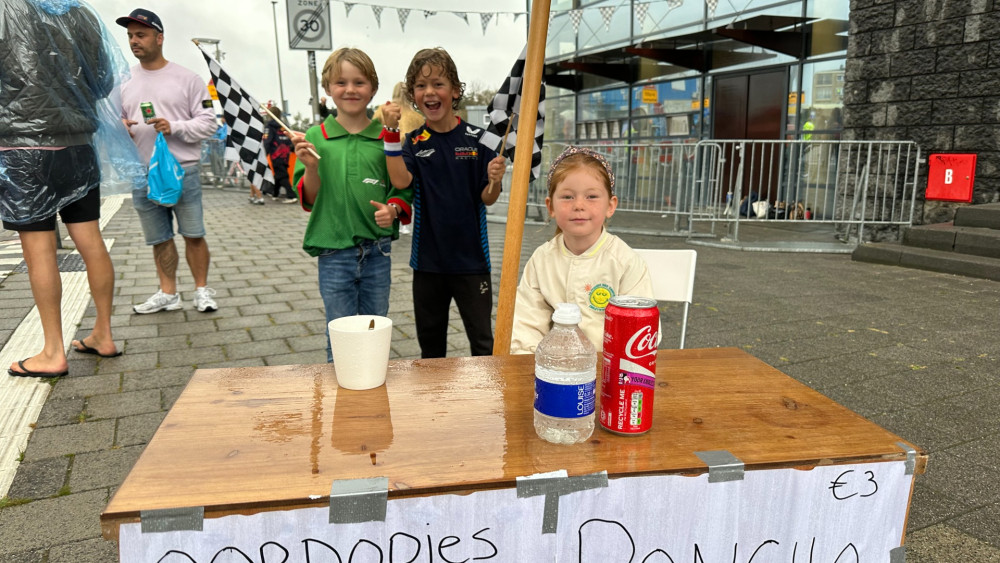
(309, 25)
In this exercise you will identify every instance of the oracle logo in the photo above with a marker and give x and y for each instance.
(641, 344)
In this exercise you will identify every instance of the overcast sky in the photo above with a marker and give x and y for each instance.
(245, 30)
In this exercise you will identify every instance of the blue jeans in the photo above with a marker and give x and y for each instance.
(158, 221)
(355, 281)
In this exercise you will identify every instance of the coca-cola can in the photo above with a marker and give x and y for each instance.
(631, 330)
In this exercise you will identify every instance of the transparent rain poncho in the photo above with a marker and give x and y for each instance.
(60, 78)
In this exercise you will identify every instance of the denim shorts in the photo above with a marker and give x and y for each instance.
(158, 221)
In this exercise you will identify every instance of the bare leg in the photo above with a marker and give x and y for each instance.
(165, 256)
(198, 258)
(39, 249)
(101, 276)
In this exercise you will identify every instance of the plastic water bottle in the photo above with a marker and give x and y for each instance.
(565, 380)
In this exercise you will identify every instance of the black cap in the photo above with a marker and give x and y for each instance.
(145, 17)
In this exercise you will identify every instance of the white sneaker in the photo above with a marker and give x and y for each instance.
(159, 302)
(203, 300)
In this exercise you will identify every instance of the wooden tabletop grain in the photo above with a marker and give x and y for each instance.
(243, 440)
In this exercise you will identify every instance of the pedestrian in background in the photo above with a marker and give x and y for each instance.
(184, 114)
(55, 71)
(278, 147)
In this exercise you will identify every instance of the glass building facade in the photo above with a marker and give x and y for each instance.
(677, 71)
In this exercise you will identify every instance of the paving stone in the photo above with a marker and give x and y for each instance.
(157, 343)
(51, 522)
(69, 439)
(94, 550)
(168, 396)
(308, 343)
(79, 387)
(192, 357)
(139, 429)
(943, 543)
(197, 325)
(292, 330)
(123, 404)
(39, 479)
(104, 469)
(257, 349)
(35, 556)
(244, 322)
(264, 309)
(57, 412)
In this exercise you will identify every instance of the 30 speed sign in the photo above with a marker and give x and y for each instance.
(309, 25)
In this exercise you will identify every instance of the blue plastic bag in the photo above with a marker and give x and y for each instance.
(166, 177)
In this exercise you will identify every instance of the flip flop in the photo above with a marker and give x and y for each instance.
(88, 350)
(28, 373)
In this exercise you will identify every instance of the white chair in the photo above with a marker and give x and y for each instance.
(672, 273)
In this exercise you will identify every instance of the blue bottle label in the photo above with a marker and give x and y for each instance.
(565, 401)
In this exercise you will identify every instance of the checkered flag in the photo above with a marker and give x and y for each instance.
(506, 105)
(712, 4)
(246, 126)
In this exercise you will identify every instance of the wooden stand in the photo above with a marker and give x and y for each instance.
(247, 440)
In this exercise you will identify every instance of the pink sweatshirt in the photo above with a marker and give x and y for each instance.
(178, 95)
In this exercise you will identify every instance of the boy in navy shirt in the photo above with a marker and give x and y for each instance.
(453, 179)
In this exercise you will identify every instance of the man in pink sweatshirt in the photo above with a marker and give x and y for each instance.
(184, 114)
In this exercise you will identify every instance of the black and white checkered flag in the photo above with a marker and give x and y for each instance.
(246, 126)
(506, 105)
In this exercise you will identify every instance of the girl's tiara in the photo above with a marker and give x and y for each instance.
(571, 150)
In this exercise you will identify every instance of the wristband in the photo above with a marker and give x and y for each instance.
(395, 206)
(393, 149)
(390, 135)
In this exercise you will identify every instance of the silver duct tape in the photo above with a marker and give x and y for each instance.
(911, 457)
(722, 466)
(553, 488)
(172, 520)
(353, 501)
(898, 555)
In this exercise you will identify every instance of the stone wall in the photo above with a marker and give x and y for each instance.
(928, 71)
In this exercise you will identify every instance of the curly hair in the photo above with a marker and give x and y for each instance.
(433, 58)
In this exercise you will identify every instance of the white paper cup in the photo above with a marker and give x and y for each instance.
(360, 355)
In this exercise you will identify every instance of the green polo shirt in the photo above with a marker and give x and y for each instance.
(352, 173)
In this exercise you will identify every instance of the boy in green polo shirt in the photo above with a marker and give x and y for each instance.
(355, 211)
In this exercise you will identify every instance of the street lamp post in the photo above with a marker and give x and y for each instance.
(277, 53)
(209, 41)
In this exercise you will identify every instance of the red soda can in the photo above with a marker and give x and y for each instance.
(631, 330)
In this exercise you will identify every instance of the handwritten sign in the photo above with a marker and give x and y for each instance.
(833, 514)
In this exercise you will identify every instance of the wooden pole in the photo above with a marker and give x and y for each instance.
(521, 176)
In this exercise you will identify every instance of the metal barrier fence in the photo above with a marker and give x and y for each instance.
(849, 184)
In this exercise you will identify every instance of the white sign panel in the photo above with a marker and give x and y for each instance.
(833, 514)
(309, 25)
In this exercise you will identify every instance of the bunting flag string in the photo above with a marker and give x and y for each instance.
(606, 13)
(348, 6)
(575, 16)
(674, 4)
(712, 4)
(429, 13)
(463, 16)
(377, 11)
(640, 13)
(403, 14)
(484, 19)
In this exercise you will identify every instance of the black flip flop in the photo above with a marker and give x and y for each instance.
(28, 373)
(88, 350)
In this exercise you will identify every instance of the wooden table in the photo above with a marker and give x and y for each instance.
(247, 440)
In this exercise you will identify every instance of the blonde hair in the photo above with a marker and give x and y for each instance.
(434, 58)
(357, 57)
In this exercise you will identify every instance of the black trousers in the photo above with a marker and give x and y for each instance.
(432, 295)
(281, 179)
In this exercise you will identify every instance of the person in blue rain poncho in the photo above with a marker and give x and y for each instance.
(57, 127)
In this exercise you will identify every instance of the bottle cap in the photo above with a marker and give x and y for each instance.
(567, 314)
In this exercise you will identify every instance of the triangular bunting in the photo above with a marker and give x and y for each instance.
(348, 6)
(575, 16)
(484, 19)
(606, 13)
(428, 13)
(712, 4)
(377, 10)
(674, 3)
(640, 13)
(463, 15)
(403, 14)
